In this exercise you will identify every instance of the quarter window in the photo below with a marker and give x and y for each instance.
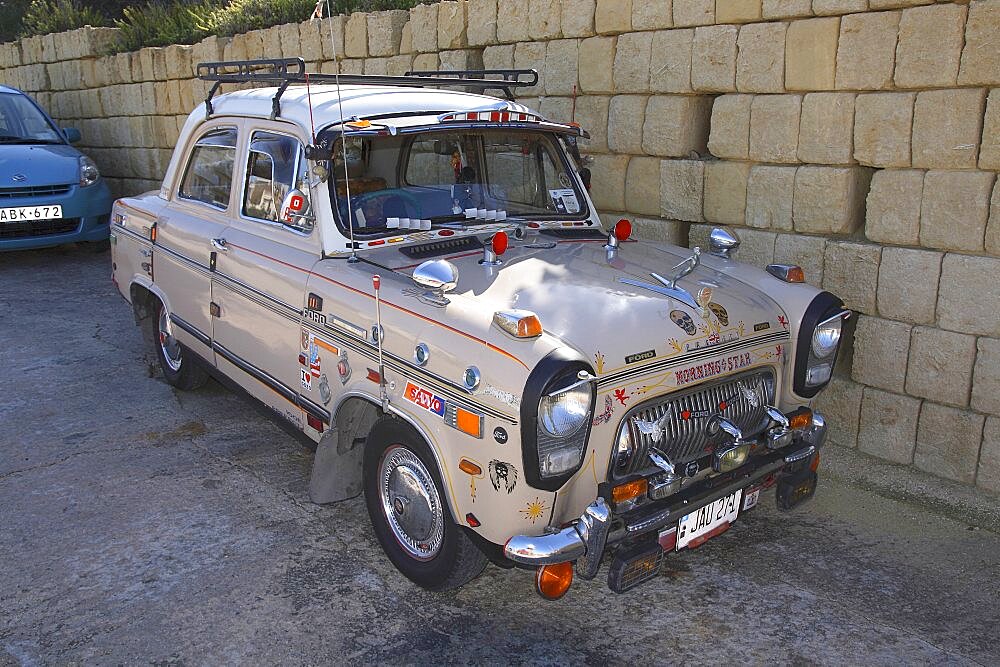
(275, 166)
(209, 174)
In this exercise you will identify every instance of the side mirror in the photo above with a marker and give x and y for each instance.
(722, 242)
(295, 208)
(72, 134)
(436, 275)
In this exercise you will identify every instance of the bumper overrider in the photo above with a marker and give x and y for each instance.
(598, 528)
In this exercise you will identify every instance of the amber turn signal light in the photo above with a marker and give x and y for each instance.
(469, 468)
(552, 581)
(800, 419)
(518, 323)
(629, 490)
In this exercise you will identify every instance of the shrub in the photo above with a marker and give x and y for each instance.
(45, 16)
(161, 24)
(242, 15)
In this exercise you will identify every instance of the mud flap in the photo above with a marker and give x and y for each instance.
(336, 475)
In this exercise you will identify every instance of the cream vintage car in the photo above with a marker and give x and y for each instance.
(417, 280)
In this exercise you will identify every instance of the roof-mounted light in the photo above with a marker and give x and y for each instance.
(489, 117)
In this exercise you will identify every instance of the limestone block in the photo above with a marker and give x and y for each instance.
(499, 57)
(888, 426)
(774, 127)
(730, 127)
(399, 65)
(670, 61)
(948, 442)
(993, 226)
(811, 46)
(561, 66)
(452, 25)
(981, 55)
(659, 230)
(681, 189)
(713, 58)
(311, 38)
(968, 295)
(830, 200)
(356, 35)
(940, 365)
(613, 17)
(642, 186)
(288, 37)
(592, 115)
(332, 42)
(826, 128)
(694, 12)
(893, 207)
(989, 152)
(988, 476)
(908, 284)
(380, 66)
(49, 48)
(652, 15)
(424, 22)
(834, 7)
(737, 11)
(544, 19)
(866, 52)
(986, 377)
(955, 209)
(210, 50)
(806, 251)
(577, 17)
(531, 55)
(882, 124)
(406, 39)
(559, 109)
(850, 270)
(769, 205)
(608, 181)
(760, 61)
(632, 62)
(756, 248)
(625, 120)
(676, 125)
(55, 74)
(146, 63)
(253, 42)
(159, 63)
(597, 57)
(461, 59)
(929, 46)
(513, 21)
(482, 28)
(896, 4)
(840, 404)
(726, 191)
(385, 31)
(881, 348)
(947, 125)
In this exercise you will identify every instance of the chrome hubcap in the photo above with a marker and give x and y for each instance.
(411, 503)
(168, 344)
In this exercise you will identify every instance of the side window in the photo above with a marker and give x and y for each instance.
(275, 166)
(209, 174)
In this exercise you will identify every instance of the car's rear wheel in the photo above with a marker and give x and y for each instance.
(409, 511)
(179, 369)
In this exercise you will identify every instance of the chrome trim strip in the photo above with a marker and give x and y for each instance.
(119, 229)
(191, 329)
(184, 258)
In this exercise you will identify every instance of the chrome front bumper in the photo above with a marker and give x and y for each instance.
(585, 539)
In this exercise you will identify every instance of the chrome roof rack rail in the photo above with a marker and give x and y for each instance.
(286, 71)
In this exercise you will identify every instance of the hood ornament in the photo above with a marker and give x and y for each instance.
(669, 285)
(655, 429)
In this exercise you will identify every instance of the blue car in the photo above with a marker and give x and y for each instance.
(50, 193)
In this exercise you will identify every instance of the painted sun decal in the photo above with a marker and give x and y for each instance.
(535, 509)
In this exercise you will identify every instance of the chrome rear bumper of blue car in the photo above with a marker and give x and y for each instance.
(586, 539)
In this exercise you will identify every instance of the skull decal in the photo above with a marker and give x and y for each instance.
(684, 321)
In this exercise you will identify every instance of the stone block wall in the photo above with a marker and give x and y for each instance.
(858, 138)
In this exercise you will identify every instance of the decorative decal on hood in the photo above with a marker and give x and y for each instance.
(684, 321)
(712, 368)
(720, 312)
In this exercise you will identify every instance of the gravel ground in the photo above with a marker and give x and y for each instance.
(143, 525)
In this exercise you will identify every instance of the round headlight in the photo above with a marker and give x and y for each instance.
(826, 338)
(564, 414)
(88, 171)
(625, 447)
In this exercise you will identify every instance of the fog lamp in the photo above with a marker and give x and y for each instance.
(731, 458)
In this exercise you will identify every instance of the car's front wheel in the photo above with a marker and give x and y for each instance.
(178, 369)
(410, 513)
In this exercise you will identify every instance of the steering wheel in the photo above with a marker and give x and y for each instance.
(358, 201)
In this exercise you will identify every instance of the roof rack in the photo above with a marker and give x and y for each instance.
(285, 71)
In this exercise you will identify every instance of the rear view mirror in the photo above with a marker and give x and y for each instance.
(72, 134)
(295, 209)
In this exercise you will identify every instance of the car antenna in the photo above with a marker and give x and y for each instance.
(343, 139)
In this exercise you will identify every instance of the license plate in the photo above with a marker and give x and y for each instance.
(708, 518)
(29, 213)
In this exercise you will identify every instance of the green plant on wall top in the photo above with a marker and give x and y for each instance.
(45, 16)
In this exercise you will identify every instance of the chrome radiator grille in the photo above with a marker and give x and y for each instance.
(684, 436)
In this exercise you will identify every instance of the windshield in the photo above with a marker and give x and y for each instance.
(22, 123)
(472, 177)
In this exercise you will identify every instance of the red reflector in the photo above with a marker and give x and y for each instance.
(446, 232)
(495, 117)
(500, 242)
(623, 229)
(471, 519)
(374, 376)
(668, 540)
(379, 242)
(315, 422)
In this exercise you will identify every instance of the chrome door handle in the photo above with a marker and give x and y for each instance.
(220, 245)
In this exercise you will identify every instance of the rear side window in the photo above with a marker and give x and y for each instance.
(209, 174)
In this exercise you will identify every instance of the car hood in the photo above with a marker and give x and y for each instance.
(40, 164)
(575, 288)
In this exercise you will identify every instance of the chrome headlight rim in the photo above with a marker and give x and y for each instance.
(826, 337)
(823, 307)
(563, 415)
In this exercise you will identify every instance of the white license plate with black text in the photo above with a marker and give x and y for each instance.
(708, 518)
(29, 213)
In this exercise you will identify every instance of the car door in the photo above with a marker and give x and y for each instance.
(260, 279)
(197, 213)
